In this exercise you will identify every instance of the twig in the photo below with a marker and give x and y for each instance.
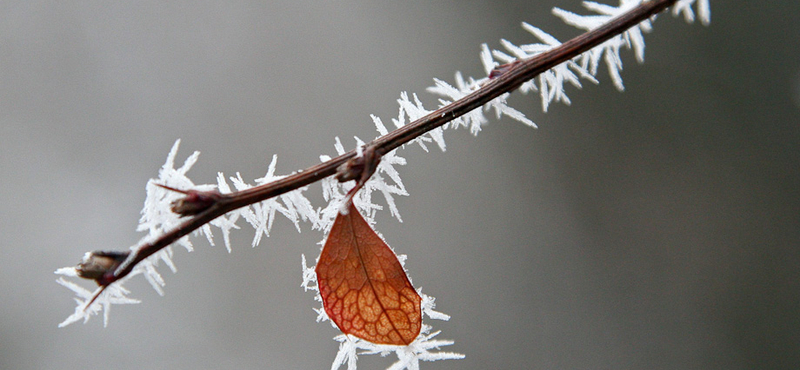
(504, 80)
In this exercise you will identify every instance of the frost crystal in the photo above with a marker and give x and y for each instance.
(114, 294)
(157, 218)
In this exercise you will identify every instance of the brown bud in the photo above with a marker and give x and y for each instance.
(361, 167)
(194, 202)
(350, 170)
(100, 266)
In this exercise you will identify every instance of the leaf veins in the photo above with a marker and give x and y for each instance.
(364, 289)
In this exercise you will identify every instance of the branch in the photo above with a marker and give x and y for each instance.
(203, 207)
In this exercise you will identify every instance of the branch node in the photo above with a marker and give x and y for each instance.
(359, 168)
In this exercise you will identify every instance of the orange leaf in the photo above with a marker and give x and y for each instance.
(363, 287)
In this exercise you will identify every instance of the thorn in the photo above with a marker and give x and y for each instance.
(94, 297)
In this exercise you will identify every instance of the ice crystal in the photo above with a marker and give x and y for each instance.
(114, 294)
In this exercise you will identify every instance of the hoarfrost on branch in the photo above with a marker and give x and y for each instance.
(157, 217)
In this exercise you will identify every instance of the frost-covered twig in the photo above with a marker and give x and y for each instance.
(510, 79)
(542, 67)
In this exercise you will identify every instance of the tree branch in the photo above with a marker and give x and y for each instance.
(504, 80)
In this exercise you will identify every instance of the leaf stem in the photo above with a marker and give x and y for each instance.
(507, 81)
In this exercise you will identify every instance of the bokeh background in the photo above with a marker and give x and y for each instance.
(652, 229)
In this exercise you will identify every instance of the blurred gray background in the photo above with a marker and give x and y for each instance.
(653, 229)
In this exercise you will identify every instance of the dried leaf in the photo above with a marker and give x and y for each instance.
(364, 289)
